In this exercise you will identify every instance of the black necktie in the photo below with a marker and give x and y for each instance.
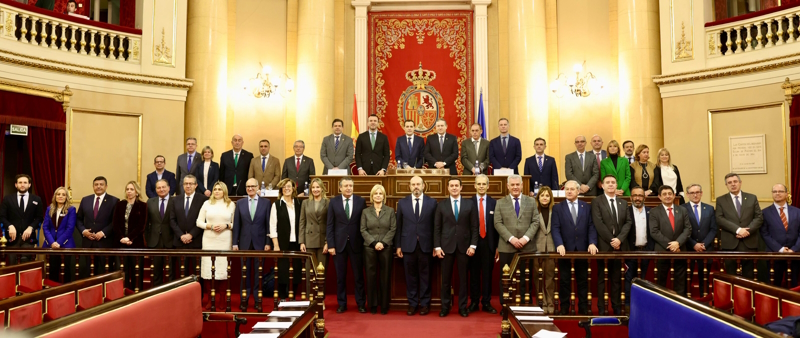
(22, 203)
(614, 214)
(416, 208)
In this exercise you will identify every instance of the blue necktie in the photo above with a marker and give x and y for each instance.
(161, 209)
(696, 215)
(581, 161)
(738, 207)
(336, 146)
(263, 163)
(416, 208)
(540, 164)
(186, 208)
(189, 162)
(455, 207)
(505, 144)
(516, 206)
(409, 147)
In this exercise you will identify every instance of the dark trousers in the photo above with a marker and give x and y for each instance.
(633, 266)
(565, 284)
(699, 265)
(133, 267)
(447, 276)
(158, 269)
(418, 277)
(20, 244)
(55, 269)
(356, 261)
(250, 279)
(284, 276)
(481, 265)
(375, 260)
(747, 265)
(679, 276)
(614, 278)
(779, 267)
(504, 259)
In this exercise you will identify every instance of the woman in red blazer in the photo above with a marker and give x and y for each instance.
(130, 219)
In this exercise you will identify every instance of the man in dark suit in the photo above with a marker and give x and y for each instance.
(573, 230)
(611, 221)
(94, 223)
(505, 151)
(541, 167)
(455, 238)
(187, 163)
(781, 233)
(441, 149)
(704, 230)
(158, 174)
(481, 264)
(670, 228)
(628, 147)
(739, 218)
(582, 167)
(158, 233)
(414, 243)
(372, 150)
(475, 152)
(234, 166)
(185, 210)
(250, 231)
(345, 242)
(299, 168)
(598, 153)
(409, 147)
(21, 214)
(639, 239)
(337, 149)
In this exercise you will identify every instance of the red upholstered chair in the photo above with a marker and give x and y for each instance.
(8, 285)
(353, 169)
(766, 308)
(743, 302)
(115, 289)
(2, 319)
(30, 280)
(59, 306)
(723, 295)
(25, 316)
(789, 308)
(90, 297)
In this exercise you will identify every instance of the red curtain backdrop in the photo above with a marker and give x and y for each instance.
(60, 6)
(127, 13)
(440, 42)
(794, 122)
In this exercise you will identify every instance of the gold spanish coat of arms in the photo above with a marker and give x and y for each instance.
(420, 102)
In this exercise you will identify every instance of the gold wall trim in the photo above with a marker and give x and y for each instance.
(781, 104)
(677, 78)
(62, 96)
(157, 60)
(681, 50)
(70, 119)
(131, 77)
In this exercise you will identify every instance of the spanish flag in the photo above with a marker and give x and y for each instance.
(354, 131)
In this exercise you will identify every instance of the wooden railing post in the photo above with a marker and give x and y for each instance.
(319, 325)
(505, 325)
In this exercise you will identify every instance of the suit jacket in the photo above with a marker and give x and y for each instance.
(658, 181)
(469, 156)
(313, 223)
(622, 172)
(299, 177)
(491, 233)
(255, 230)
(544, 236)
(103, 222)
(415, 156)
(182, 168)
(378, 228)
(412, 229)
(729, 221)
(508, 159)
(508, 224)
(372, 160)
(158, 228)
(340, 229)
(661, 229)
(588, 174)
(11, 214)
(272, 173)
(62, 235)
(650, 246)
(453, 235)
(548, 176)
(137, 221)
(228, 169)
(448, 155)
(605, 226)
(333, 157)
(775, 235)
(213, 177)
(706, 231)
(181, 223)
(574, 237)
(152, 178)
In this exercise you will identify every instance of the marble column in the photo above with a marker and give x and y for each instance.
(640, 107)
(207, 64)
(527, 74)
(481, 54)
(315, 73)
(362, 7)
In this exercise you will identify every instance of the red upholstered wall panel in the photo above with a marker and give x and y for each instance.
(8, 285)
(90, 297)
(115, 289)
(723, 299)
(25, 316)
(766, 308)
(789, 309)
(31, 279)
(60, 306)
(743, 302)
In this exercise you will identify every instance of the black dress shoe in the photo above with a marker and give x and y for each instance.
(463, 313)
(341, 309)
(411, 310)
(488, 308)
(444, 312)
(472, 308)
(424, 310)
(243, 308)
(374, 310)
(564, 311)
(617, 311)
(585, 312)
(384, 311)
(362, 309)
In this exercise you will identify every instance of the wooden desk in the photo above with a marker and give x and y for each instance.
(528, 329)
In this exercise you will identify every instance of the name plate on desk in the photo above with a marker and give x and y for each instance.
(414, 171)
(270, 193)
(503, 172)
(337, 172)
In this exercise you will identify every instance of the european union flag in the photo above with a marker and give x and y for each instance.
(481, 117)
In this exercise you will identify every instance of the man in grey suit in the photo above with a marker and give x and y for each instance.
(739, 218)
(516, 219)
(158, 232)
(582, 168)
(599, 155)
(299, 168)
(337, 149)
(610, 216)
(670, 228)
(187, 162)
(475, 149)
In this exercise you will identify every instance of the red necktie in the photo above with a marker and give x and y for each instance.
(483, 221)
(671, 219)
(298, 164)
(784, 220)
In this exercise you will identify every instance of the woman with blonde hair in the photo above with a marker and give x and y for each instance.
(58, 225)
(378, 226)
(216, 218)
(617, 166)
(284, 225)
(666, 173)
(313, 223)
(544, 244)
(129, 221)
(207, 172)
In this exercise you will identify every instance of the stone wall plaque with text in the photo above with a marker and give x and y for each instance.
(748, 154)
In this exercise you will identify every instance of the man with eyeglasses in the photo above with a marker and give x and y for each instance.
(704, 230)
(250, 231)
(739, 218)
(639, 239)
(582, 168)
(160, 173)
(780, 233)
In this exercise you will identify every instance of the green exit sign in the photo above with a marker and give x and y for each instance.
(17, 129)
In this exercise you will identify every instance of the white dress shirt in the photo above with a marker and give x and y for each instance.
(640, 222)
(414, 201)
(345, 202)
(785, 207)
(159, 174)
(273, 220)
(699, 216)
(613, 206)
(452, 205)
(206, 166)
(102, 197)
(24, 200)
(411, 138)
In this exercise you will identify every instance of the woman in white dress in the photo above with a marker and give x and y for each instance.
(216, 218)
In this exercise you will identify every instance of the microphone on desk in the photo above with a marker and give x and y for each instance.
(237, 185)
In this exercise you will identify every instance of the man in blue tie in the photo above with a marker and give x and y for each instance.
(158, 233)
(409, 147)
(516, 219)
(541, 168)
(250, 231)
(414, 243)
(704, 230)
(629, 148)
(739, 218)
(505, 151)
(337, 149)
(265, 168)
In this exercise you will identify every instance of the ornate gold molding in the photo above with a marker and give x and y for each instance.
(680, 77)
(162, 54)
(683, 48)
(62, 96)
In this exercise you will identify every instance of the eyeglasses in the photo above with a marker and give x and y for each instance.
(695, 193)
(580, 141)
(778, 192)
(252, 186)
